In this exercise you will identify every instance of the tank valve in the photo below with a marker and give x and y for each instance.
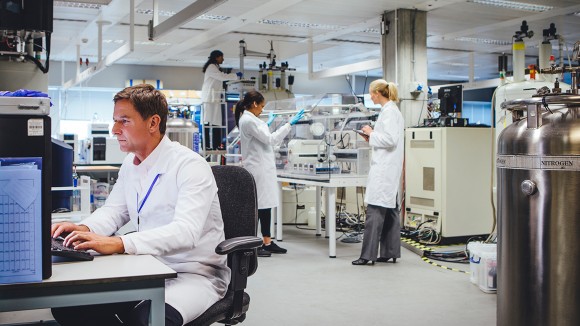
(528, 187)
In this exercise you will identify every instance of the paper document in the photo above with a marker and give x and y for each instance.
(20, 223)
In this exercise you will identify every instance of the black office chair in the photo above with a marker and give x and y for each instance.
(238, 202)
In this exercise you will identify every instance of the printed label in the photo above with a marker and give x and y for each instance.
(567, 163)
(35, 127)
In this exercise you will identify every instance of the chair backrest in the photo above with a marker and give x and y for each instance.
(238, 200)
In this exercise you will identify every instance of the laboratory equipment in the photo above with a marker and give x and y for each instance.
(25, 150)
(451, 100)
(324, 142)
(447, 178)
(25, 34)
(538, 181)
(183, 130)
(272, 83)
(100, 147)
(519, 87)
(100, 150)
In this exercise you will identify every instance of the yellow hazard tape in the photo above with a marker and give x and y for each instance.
(416, 244)
(429, 247)
(427, 260)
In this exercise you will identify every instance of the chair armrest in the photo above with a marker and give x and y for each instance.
(240, 243)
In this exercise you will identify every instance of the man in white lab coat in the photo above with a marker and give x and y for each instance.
(211, 91)
(169, 194)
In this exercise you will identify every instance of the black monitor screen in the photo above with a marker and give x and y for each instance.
(62, 166)
(451, 99)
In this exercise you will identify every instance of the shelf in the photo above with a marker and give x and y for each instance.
(215, 152)
(85, 192)
(68, 217)
(68, 188)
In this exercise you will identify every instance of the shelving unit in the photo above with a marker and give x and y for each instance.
(214, 154)
(76, 216)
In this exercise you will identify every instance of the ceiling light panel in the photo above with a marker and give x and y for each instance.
(279, 22)
(168, 13)
(91, 4)
(483, 41)
(513, 5)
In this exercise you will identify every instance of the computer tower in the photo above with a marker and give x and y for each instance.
(25, 130)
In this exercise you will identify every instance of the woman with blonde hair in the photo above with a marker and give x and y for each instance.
(382, 225)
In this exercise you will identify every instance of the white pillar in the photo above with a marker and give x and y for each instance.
(404, 57)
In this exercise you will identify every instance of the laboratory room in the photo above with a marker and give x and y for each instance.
(303, 162)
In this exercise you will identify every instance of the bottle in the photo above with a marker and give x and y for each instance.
(76, 196)
(196, 142)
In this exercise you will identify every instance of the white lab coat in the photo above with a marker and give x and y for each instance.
(387, 142)
(180, 223)
(256, 144)
(210, 93)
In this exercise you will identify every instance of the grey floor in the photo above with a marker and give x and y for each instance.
(306, 287)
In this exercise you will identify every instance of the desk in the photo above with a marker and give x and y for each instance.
(331, 184)
(106, 279)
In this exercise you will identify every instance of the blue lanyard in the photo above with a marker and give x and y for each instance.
(146, 196)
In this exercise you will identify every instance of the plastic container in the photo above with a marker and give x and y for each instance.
(76, 195)
(487, 274)
(101, 192)
(481, 256)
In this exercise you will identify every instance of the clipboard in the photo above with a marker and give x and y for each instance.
(362, 133)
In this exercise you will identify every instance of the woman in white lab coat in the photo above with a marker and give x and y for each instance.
(211, 90)
(256, 142)
(382, 225)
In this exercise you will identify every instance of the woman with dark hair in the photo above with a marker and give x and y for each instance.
(256, 143)
(211, 94)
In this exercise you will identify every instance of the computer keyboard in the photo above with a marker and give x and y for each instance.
(58, 249)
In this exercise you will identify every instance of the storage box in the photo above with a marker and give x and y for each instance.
(483, 265)
(487, 276)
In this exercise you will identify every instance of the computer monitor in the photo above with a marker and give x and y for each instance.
(451, 99)
(62, 167)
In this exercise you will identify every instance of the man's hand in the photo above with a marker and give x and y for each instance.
(82, 240)
(65, 228)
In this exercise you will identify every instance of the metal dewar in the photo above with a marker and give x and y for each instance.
(538, 178)
(183, 131)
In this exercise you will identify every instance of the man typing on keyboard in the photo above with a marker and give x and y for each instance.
(169, 194)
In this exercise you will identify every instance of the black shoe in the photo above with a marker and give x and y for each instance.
(386, 260)
(273, 248)
(263, 253)
(362, 261)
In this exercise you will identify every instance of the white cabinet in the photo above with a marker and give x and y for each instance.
(448, 180)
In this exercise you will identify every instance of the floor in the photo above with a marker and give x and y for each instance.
(305, 287)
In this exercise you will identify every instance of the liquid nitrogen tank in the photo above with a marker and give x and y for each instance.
(538, 179)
